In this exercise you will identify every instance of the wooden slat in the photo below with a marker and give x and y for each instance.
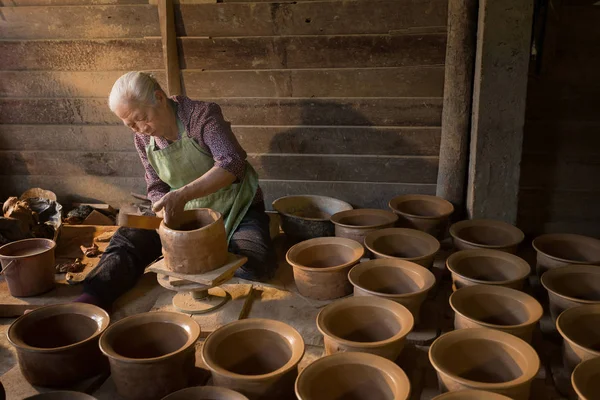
(18, 3)
(362, 112)
(169, 47)
(285, 139)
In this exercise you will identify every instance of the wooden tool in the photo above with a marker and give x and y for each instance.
(138, 221)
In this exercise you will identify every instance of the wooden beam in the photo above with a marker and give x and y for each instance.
(169, 46)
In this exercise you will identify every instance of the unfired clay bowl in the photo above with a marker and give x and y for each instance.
(422, 212)
(486, 234)
(256, 357)
(402, 281)
(62, 395)
(365, 324)
(356, 224)
(471, 395)
(206, 393)
(151, 354)
(405, 244)
(586, 379)
(580, 329)
(321, 266)
(498, 308)
(571, 286)
(487, 267)
(63, 334)
(484, 359)
(352, 376)
(562, 249)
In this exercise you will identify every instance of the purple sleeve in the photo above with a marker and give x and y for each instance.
(155, 187)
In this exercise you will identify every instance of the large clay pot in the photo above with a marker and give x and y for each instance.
(62, 395)
(486, 234)
(402, 281)
(484, 359)
(580, 329)
(64, 335)
(28, 266)
(321, 266)
(586, 379)
(405, 244)
(151, 354)
(356, 224)
(306, 217)
(487, 267)
(205, 393)
(352, 376)
(195, 243)
(496, 307)
(365, 324)
(571, 286)
(422, 212)
(471, 395)
(562, 249)
(256, 357)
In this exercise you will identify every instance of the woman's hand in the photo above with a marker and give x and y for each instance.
(170, 205)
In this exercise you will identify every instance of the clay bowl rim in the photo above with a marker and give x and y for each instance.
(471, 393)
(186, 323)
(39, 240)
(51, 395)
(278, 201)
(219, 216)
(397, 374)
(503, 338)
(500, 291)
(574, 268)
(400, 311)
(585, 309)
(457, 226)
(284, 330)
(353, 244)
(206, 391)
(372, 236)
(392, 204)
(335, 218)
(392, 263)
(462, 254)
(593, 363)
(87, 310)
(565, 236)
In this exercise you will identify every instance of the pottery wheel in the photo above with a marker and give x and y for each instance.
(186, 302)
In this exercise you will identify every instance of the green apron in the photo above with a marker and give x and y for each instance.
(184, 161)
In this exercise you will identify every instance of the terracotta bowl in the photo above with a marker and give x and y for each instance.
(486, 234)
(352, 376)
(484, 359)
(306, 217)
(405, 244)
(205, 393)
(487, 267)
(562, 249)
(586, 379)
(256, 357)
(65, 335)
(321, 266)
(571, 286)
(356, 224)
(580, 329)
(402, 281)
(62, 395)
(471, 395)
(151, 354)
(365, 324)
(498, 308)
(422, 212)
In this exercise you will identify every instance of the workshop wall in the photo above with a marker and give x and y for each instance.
(340, 98)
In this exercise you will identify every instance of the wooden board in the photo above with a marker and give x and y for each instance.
(67, 2)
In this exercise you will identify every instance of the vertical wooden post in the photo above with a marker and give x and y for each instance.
(458, 93)
(169, 46)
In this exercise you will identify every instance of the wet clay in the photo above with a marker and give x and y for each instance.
(426, 213)
(486, 234)
(59, 330)
(586, 379)
(559, 250)
(206, 393)
(148, 341)
(580, 329)
(356, 224)
(407, 244)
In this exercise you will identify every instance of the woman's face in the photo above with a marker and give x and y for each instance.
(146, 119)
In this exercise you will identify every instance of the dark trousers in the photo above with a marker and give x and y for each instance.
(131, 250)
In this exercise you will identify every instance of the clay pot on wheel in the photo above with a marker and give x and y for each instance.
(484, 359)
(422, 212)
(356, 224)
(487, 267)
(486, 234)
(404, 244)
(321, 266)
(498, 308)
(65, 335)
(365, 324)
(401, 281)
(471, 395)
(28, 266)
(580, 329)
(205, 393)
(562, 249)
(151, 354)
(586, 379)
(256, 357)
(352, 376)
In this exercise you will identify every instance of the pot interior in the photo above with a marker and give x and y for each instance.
(422, 208)
(489, 269)
(402, 246)
(583, 329)
(56, 331)
(583, 286)
(194, 219)
(28, 247)
(150, 340)
(486, 236)
(569, 249)
(493, 309)
(325, 256)
(586, 379)
(390, 280)
(362, 324)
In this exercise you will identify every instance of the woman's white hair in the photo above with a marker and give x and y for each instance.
(133, 87)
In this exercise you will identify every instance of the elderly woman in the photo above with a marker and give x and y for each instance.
(192, 160)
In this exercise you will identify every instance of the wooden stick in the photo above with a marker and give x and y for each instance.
(169, 46)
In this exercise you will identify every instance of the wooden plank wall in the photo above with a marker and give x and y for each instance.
(340, 98)
(560, 184)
